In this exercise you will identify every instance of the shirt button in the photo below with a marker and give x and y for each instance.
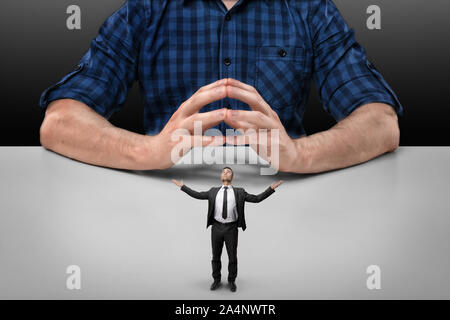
(282, 53)
(228, 17)
(227, 61)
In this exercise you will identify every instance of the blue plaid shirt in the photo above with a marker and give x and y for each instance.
(173, 47)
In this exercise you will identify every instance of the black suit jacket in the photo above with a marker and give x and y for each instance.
(240, 195)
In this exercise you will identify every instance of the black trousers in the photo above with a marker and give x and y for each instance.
(220, 233)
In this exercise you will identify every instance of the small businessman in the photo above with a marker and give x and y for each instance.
(226, 215)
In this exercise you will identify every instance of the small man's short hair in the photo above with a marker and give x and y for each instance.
(232, 174)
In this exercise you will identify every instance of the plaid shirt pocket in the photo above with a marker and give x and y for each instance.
(279, 72)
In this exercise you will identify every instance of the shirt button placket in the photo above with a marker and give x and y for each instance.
(227, 53)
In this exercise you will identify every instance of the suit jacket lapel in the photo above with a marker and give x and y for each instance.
(214, 195)
(235, 195)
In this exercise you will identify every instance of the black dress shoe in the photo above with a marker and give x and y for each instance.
(232, 286)
(215, 284)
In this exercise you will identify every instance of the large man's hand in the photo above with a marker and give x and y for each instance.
(163, 144)
(262, 116)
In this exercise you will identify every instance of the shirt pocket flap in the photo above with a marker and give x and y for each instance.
(281, 52)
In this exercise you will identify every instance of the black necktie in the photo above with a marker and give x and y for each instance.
(225, 202)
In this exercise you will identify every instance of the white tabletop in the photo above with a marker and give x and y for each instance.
(135, 235)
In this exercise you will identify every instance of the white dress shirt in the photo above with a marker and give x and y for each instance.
(231, 205)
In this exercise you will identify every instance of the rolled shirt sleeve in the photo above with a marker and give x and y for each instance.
(106, 72)
(344, 77)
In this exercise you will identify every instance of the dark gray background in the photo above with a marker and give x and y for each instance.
(411, 51)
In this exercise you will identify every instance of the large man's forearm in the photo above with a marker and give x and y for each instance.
(73, 129)
(366, 133)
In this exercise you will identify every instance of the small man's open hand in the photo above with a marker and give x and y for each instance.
(178, 183)
(276, 184)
